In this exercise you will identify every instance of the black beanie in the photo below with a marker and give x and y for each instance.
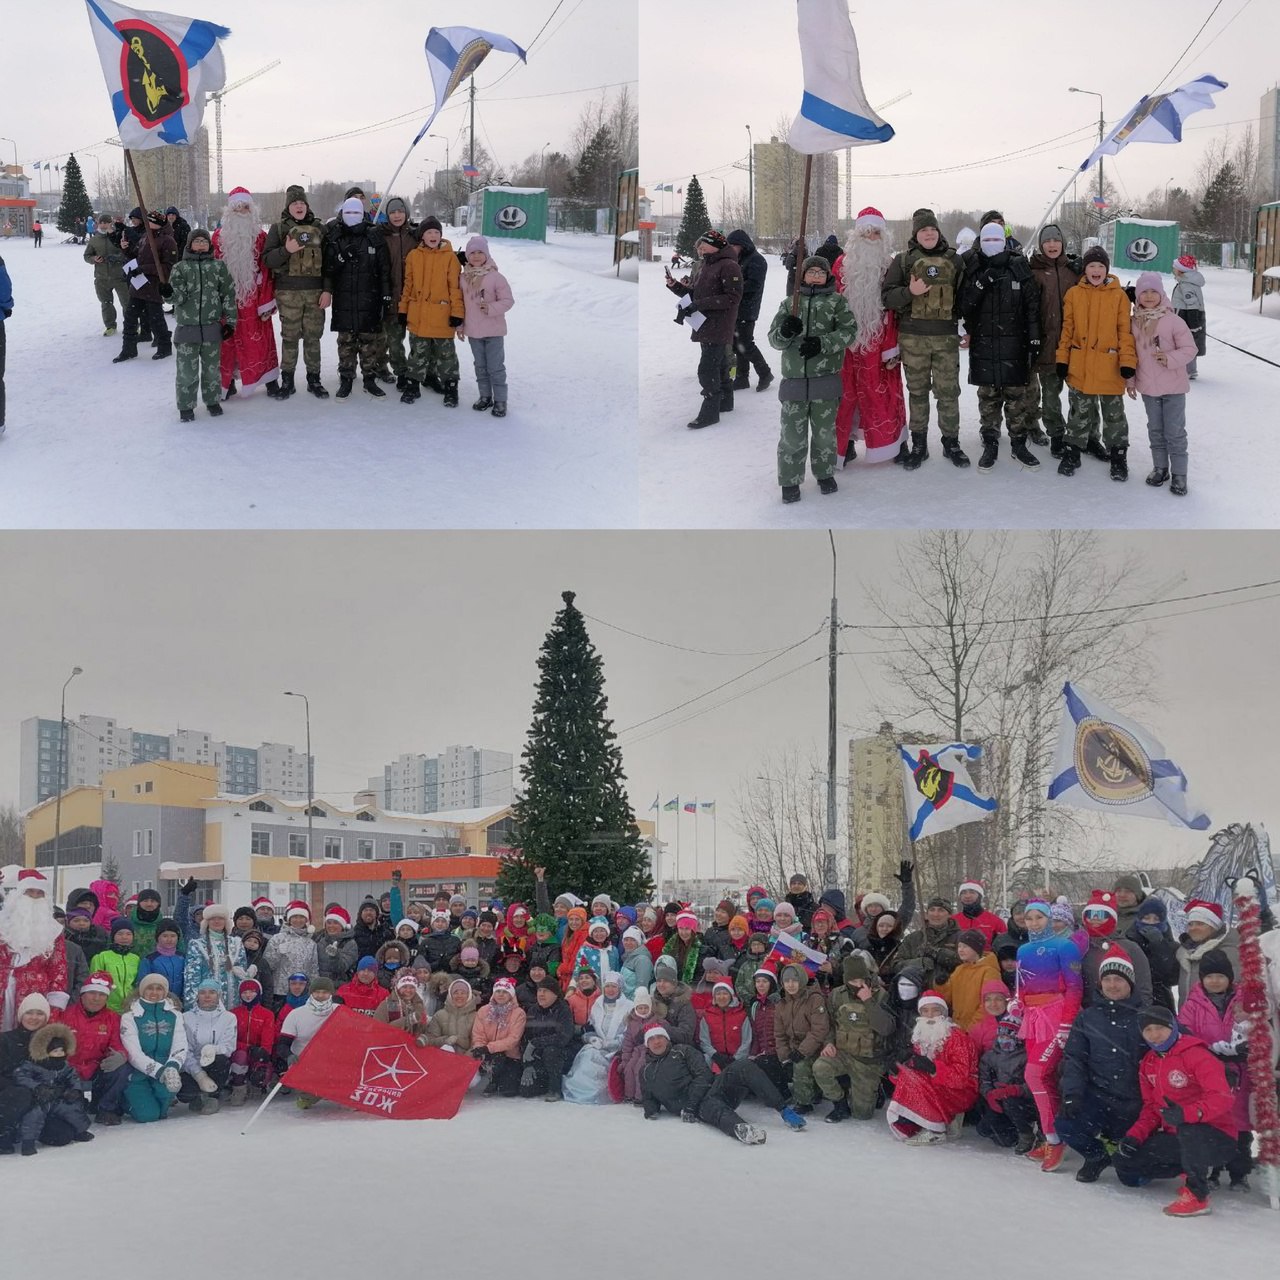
(1217, 961)
(1097, 254)
(1156, 1015)
(924, 218)
(430, 223)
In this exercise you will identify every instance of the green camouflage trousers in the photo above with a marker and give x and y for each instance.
(301, 316)
(932, 361)
(864, 1082)
(198, 367)
(1049, 388)
(804, 1088)
(438, 356)
(109, 292)
(367, 345)
(393, 336)
(1082, 420)
(1019, 405)
(808, 426)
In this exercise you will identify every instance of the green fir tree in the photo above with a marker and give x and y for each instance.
(696, 218)
(573, 816)
(75, 199)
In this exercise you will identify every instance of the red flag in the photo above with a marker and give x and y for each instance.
(368, 1066)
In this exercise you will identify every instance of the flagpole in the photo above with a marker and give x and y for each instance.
(713, 843)
(266, 1102)
(801, 250)
(695, 838)
(678, 813)
(1056, 201)
(657, 846)
(146, 221)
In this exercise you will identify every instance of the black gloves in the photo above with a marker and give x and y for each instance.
(1127, 1147)
(1173, 1115)
(166, 290)
(790, 326)
(455, 321)
(688, 1116)
(479, 1053)
(403, 320)
(810, 346)
(228, 332)
(188, 885)
(1126, 372)
(796, 1057)
(8, 311)
(259, 1054)
(1061, 370)
(682, 314)
(925, 1066)
(905, 871)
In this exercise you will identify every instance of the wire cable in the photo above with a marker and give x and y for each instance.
(714, 653)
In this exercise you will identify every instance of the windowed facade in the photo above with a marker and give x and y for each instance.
(144, 843)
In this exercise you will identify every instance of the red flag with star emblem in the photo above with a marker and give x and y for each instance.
(370, 1067)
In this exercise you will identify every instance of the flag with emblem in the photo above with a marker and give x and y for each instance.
(1105, 761)
(368, 1066)
(453, 53)
(937, 788)
(159, 67)
(791, 950)
(1158, 117)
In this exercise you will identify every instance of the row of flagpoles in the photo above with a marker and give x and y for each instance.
(696, 808)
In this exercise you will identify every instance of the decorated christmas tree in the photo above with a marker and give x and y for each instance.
(75, 204)
(696, 219)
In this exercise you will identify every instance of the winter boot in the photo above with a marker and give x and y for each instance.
(1186, 1205)
(215, 410)
(164, 348)
(274, 392)
(765, 379)
(1158, 477)
(385, 375)
(128, 351)
(109, 1119)
(1037, 436)
(1055, 446)
(1178, 486)
(450, 395)
(1026, 1140)
(791, 1119)
(919, 452)
(1096, 449)
(1119, 464)
(230, 391)
(109, 331)
(850, 452)
(1053, 1157)
(186, 415)
(432, 383)
(904, 452)
(7, 1147)
(239, 1094)
(790, 493)
(29, 1148)
(371, 386)
(726, 400)
(553, 1095)
(990, 451)
(951, 449)
(499, 409)
(1019, 449)
(708, 414)
(839, 1111)
(827, 484)
(924, 1138)
(305, 1101)
(1239, 1182)
(410, 393)
(286, 384)
(742, 380)
(748, 1134)
(1092, 1168)
(402, 382)
(315, 387)
(1070, 460)
(345, 383)
(86, 1136)
(485, 402)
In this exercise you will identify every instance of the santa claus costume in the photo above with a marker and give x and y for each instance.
(33, 955)
(929, 1103)
(252, 348)
(871, 405)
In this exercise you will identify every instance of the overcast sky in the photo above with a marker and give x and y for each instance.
(413, 642)
(342, 66)
(984, 81)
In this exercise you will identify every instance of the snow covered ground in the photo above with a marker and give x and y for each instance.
(537, 1190)
(96, 445)
(725, 476)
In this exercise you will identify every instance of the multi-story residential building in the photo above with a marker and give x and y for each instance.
(779, 180)
(1269, 145)
(458, 778)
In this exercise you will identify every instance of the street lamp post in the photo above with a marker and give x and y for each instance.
(542, 162)
(62, 776)
(1102, 125)
(15, 150)
(713, 177)
(1166, 198)
(751, 178)
(306, 702)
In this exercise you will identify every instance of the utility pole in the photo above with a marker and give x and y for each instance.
(471, 161)
(310, 780)
(829, 861)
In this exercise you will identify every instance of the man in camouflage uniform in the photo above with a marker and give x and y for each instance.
(923, 286)
(863, 1026)
(294, 253)
(204, 312)
(813, 344)
(102, 249)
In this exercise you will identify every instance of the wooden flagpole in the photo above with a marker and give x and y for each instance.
(146, 222)
(801, 249)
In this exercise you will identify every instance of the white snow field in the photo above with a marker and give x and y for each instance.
(96, 445)
(541, 1191)
(726, 476)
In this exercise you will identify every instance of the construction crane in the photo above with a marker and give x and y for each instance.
(848, 161)
(217, 110)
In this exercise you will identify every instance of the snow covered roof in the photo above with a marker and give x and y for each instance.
(1147, 222)
(519, 191)
(462, 817)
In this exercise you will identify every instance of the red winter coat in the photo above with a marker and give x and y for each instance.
(255, 1027)
(654, 944)
(361, 997)
(988, 924)
(723, 1028)
(97, 1034)
(762, 1040)
(1191, 1076)
(43, 975)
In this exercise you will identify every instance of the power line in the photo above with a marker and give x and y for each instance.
(529, 47)
(1178, 60)
(714, 653)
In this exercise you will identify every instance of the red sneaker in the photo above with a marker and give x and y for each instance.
(1039, 1151)
(1053, 1156)
(1187, 1205)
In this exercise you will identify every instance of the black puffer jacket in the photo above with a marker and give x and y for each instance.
(358, 266)
(1102, 1055)
(754, 268)
(369, 938)
(439, 948)
(1000, 303)
(677, 1080)
(549, 1027)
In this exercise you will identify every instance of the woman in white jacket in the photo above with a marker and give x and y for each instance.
(211, 1040)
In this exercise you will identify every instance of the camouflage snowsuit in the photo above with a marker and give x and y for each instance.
(299, 282)
(204, 297)
(811, 388)
(862, 1031)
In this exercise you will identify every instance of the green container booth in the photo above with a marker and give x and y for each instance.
(1140, 244)
(509, 213)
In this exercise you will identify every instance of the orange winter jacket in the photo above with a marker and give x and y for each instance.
(1097, 338)
(432, 290)
(963, 989)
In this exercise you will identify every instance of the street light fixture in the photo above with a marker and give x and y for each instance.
(306, 702)
(62, 776)
(542, 162)
(15, 150)
(1102, 124)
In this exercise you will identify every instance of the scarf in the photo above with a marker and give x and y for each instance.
(167, 948)
(474, 276)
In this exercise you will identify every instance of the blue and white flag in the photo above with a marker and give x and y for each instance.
(1158, 118)
(1107, 762)
(834, 112)
(790, 950)
(158, 68)
(453, 53)
(938, 791)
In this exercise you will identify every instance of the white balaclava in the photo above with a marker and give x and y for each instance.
(352, 212)
(992, 239)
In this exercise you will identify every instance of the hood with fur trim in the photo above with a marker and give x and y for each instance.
(50, 1034)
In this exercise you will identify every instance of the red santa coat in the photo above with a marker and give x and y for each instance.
(44, 975)
(872, 404)
(97, 1034)
(252, 348)
(933, 1101)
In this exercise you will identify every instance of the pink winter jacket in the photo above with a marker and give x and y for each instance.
(492, 289)
(1199, 1017)
(1175, 340)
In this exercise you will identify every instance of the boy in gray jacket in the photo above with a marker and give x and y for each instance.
(1188, 302)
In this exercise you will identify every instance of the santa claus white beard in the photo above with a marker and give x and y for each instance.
(865, 262)
(929, 1037)
(27, 925)
(237, 246)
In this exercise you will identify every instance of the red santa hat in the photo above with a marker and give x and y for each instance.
(505, 984)
(1201, 912)
(259, 903)
(654, 1032)
(931, 997)
(1187, 262)
(297, 907)
(1101, 902)
(32, 878)
(1116, 960)
(100, 982)
(239, 195)
(728, 986)
(974, 886)
(869, 217)
(341, 915)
